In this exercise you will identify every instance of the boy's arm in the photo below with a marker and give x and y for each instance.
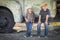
(26, 18)
(39, 20)
(47, 16)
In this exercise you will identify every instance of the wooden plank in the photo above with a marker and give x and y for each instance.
(35, 24)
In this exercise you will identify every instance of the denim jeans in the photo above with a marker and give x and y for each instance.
(39, 29)
(29, 27)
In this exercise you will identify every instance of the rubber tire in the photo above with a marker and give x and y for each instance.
(4, 12)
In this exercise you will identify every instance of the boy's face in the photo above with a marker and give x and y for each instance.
(30, 10)
(44, 7)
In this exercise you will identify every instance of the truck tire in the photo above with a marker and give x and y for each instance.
(6, 20)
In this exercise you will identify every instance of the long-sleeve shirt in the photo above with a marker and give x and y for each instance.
(30, 17)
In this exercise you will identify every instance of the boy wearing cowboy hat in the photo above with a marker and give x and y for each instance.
(43, 18)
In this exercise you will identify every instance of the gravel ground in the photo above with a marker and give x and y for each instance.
(53, 35)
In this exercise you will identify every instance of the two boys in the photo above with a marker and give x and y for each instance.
(43, 18)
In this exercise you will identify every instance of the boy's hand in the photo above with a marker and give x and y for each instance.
(39, 22)
(46, 22)
(26, 20)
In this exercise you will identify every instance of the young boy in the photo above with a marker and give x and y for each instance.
(43, 18)
(29, 18)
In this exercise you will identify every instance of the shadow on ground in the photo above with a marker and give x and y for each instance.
(53, 35)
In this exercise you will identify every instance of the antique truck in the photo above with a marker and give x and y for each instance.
(12, 12)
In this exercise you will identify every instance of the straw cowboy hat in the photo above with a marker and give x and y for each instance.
(43, 4)
(28, 7)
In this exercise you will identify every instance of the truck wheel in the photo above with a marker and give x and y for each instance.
(6, 20)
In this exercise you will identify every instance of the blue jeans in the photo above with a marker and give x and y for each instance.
(29, 27)
(39, 29)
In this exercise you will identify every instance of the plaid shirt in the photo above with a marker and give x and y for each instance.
(30, 17)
